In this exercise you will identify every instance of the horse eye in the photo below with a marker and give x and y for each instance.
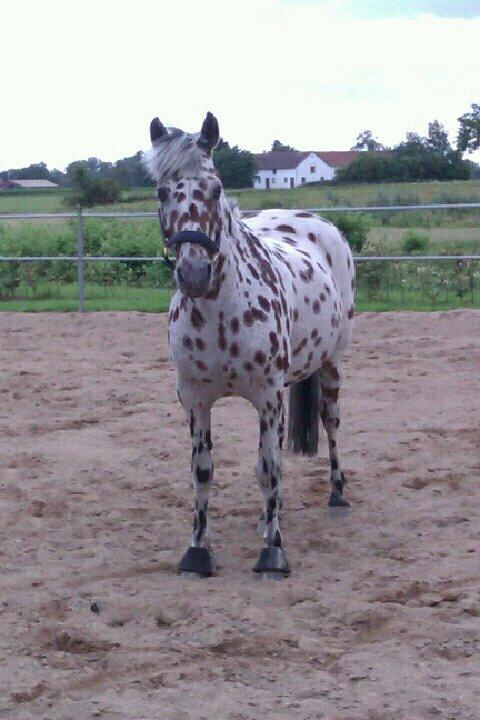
(162, 194)
(216, 192)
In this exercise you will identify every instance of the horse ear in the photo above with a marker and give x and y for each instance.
(157, 130)
(209, 134)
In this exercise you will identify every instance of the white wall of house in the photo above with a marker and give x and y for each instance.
(282, 179)
(277, 181)
(321, 171)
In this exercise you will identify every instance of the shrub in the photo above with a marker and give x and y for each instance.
(354, 226)
(370, 274)
(414, 242)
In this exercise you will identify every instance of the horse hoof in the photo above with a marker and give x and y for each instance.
(272, 560)
(197, 560)
(337, 500)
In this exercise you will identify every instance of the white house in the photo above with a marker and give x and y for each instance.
(289, 168)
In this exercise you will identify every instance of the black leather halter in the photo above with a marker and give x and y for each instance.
(185, 236)
(192, 236)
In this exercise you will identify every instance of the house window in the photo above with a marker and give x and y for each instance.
(304, 180)
(274, 180)
(285, 180)
(322, 178)
(274, 172)
(312, 169)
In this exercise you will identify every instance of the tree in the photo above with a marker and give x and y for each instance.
(366, 141)
(469, 131)
(278, 145)
(235, 166)
(37, 171)
(438, 138)
(88, 190)
(415, 158)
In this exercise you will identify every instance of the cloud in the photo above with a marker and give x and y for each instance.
(92, 79)
(410, 8)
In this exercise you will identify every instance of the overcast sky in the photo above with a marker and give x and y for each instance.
(82, 79)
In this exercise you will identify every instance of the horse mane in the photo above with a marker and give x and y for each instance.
(234, 208)
(175, 153)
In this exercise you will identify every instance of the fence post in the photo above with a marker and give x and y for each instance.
(80, 266)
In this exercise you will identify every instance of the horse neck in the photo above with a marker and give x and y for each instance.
(231, 234)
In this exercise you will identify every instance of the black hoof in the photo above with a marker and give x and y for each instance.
(197, 560)
(272, 560)
(337, 500)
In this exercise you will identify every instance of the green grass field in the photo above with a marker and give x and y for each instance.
(143, 199)
(62, 297)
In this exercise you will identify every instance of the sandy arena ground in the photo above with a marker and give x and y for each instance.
(380, 619)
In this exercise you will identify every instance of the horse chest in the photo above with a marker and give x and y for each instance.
(236, 350)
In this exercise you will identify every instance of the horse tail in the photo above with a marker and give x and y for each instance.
(303, 415)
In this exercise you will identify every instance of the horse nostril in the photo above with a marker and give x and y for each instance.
(209, 272)
(179, 275)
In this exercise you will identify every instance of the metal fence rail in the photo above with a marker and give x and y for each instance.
(81, 259)
(245, 213)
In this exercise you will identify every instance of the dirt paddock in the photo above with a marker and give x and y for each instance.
(380, 619)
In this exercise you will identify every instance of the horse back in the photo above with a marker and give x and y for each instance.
(304, 236)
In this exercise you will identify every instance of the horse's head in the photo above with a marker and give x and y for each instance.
(190, 199)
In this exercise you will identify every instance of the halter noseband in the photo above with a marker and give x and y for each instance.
(192, 236)
(186, 236)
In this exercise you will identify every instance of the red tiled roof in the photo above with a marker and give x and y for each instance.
(338, 158)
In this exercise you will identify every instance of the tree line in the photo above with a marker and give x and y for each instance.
(431, 157)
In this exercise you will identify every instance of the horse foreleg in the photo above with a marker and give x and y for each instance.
(198, 557)
(268, 472)
(330, 382)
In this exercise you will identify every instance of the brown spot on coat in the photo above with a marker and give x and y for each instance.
(260, 357)
(222, 339)
(285, 228)
(264, 303)
(274, 344)
(300, 346)
(196, 318)
(193, 210)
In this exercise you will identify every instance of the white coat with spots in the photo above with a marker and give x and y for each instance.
(263, 303)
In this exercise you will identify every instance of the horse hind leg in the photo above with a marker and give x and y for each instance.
(330, 382)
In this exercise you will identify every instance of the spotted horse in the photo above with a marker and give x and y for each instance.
(261, 305)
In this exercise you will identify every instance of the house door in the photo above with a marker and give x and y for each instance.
(267, 183)
(291, 183)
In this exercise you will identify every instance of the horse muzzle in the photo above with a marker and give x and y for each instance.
(193, 276)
